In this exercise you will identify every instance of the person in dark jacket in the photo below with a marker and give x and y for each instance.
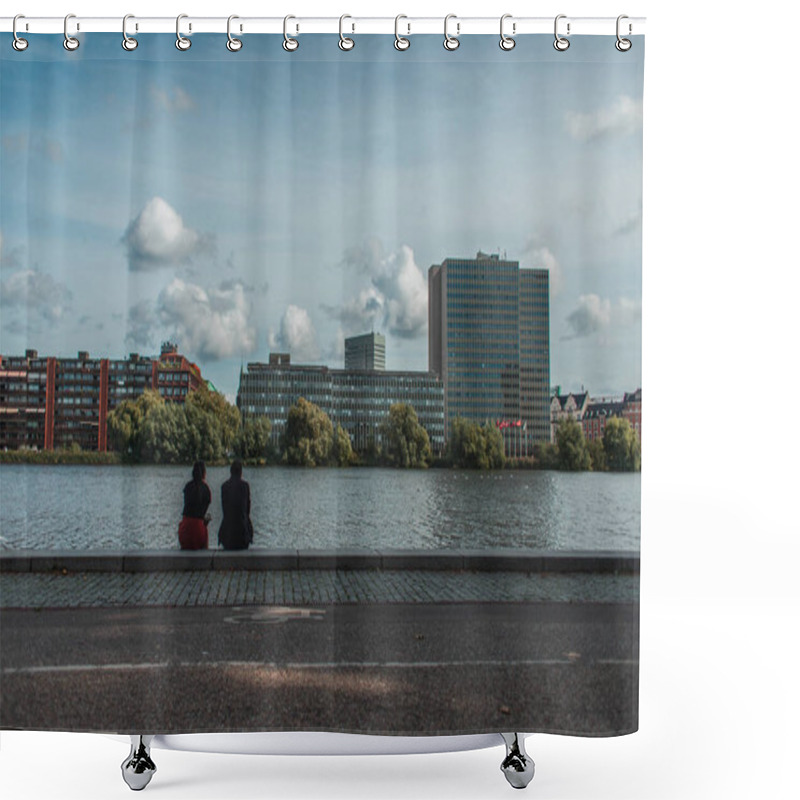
(193, 529)
(236, 529)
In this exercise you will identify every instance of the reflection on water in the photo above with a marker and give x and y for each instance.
(80, 507)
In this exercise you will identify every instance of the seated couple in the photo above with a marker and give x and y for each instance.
(235, 530)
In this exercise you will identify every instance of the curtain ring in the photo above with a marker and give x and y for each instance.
(507, 42)
(70, 42)
(400, 42)
(451, 42)
(19, 44)
(290, 44)
(561, 44)
(345, 43)
(233, 44)
(128, 42)
(623, 45)
(181, 42)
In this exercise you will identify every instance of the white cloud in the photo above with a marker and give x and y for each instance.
(172, 100)
(208, 323)
(623, 117)
(361, 312)
(539, 256)
(396, 299)
(405, 290)
(297, 336)
(627, 311)
(594, 315)
(591, 315)
(158, 236)
(37, 291)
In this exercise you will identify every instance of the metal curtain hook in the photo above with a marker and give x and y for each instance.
(289, 44)
(451, 42)
(70, 42)
(233, 44)
(19, 44)
(345, 43)
(181, 42)
(623, 45)
(128, 42)
(561, 44)
(507, 42)
(400, 42)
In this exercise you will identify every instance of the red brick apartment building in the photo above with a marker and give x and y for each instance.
(48, 402)
(632, 410)
(599, 411)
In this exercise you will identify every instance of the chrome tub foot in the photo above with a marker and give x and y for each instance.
(138, 768)
(517, 766)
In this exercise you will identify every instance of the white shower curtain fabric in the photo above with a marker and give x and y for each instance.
(320, 385)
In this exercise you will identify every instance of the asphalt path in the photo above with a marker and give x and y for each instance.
(388, 668)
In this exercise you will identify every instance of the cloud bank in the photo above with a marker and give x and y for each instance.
(210, 324)
(42, 295)
(396, 298)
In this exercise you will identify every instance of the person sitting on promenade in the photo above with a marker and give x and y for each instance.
(236, 529)
(193, 530)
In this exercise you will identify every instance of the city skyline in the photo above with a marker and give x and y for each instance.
(339, 235)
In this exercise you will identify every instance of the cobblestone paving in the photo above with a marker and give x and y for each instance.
(305, 587)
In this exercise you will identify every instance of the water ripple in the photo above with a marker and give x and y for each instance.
(128, 508)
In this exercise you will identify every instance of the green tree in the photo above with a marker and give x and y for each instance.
(342, 448)
(405, 441)
(308, 439)
(621, 444)
(573, 454)
(125, 422)
(597, 454)
(163, 435)
(545, 455)
(213, 425)
(151, 429)
(252, 441)
(475, 446)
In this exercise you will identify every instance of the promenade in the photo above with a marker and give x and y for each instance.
(46, 579)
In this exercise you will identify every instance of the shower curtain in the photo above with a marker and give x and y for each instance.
(320, 385)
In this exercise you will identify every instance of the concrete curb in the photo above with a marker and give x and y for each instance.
(496, 560)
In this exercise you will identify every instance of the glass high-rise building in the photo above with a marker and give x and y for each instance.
(489, 341)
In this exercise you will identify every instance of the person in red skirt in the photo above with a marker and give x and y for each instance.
(193, 530)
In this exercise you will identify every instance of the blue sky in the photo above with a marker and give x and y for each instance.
(242, 203)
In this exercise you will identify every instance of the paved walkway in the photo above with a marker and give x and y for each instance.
(306, 587)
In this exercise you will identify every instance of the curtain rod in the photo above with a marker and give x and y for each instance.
(458, 26)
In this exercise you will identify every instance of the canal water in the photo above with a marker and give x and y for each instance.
(137, 507)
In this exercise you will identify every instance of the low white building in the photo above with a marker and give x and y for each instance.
(567, 406)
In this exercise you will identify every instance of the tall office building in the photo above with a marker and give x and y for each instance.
(365, 352)
(489, 341)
